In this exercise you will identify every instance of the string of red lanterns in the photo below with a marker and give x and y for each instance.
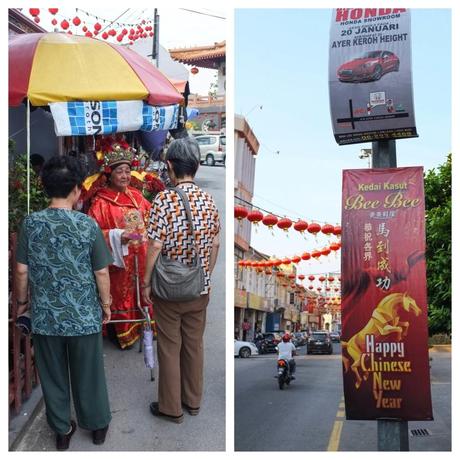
(143, 29)
(255, 216)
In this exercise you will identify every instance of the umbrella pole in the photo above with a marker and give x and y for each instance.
(28, 154)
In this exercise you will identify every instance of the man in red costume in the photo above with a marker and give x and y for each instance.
(121, 211)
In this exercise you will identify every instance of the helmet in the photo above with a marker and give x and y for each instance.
(286, 337)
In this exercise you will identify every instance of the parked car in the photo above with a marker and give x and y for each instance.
(245, 349)
(319, 341)
(212, 148)
(335, 336)
(369, 67)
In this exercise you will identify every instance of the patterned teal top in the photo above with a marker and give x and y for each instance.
(62, 249)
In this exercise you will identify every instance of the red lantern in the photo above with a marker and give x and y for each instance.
(84, 29)
(327, 229)
(54, 21)
(318, 289)
(328, 289)
(97, 26)
(270, 220)
(255, 216)
(34, 11)
(277, 262)
(240, 212)
(322, 278)
(194, 70)
(150, 34)
(316, 254)
(301, 277)
(36, 19)
(284, 224)
(314, 228)
(280, 275)
(300, 226)
(132, 31)
(120, 38)
(311, 278)
(296, 259)
(76, 21)
(286, 261)
(334, 246)
(241, 263)
(105, 35)
(291, 276)
(306, 256)
(53, 11)
(330, 279)
(325, 251)
(112, 32)
(336, 289)
(337, 230)
(124, 31)
(89, 34)
(268, 272)
(64, 25)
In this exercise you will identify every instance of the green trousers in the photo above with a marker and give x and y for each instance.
(76, 363)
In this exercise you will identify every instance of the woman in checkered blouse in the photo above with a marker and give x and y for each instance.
(181, 325)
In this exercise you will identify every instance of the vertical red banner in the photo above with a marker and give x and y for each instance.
(384, 303)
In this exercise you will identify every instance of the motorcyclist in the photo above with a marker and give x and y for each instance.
(286, 350)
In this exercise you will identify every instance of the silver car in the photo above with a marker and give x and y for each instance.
(212, 148)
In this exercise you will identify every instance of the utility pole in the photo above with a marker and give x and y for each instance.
(156, 38)
(392, 434)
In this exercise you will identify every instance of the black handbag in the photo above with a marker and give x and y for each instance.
(174, 281)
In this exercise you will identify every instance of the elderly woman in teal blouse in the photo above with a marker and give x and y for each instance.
(62, 257)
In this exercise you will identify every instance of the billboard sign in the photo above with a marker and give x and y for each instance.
(384, 301)
(370, 75)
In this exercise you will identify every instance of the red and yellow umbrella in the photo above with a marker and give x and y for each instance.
(58, 67)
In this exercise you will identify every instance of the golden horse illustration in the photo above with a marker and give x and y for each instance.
(384, 321)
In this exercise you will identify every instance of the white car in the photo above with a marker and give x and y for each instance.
(245, 349)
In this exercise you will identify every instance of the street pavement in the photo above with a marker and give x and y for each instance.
(133, 428)
(309, 415)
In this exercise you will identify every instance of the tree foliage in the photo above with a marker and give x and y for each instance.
(438, 202)
(17, 199)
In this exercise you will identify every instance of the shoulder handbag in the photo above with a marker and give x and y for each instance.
(173, 280)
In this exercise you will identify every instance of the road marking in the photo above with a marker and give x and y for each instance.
(334, 439)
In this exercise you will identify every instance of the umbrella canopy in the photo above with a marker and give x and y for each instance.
(57, 67)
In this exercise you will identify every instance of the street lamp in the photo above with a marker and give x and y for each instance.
(366, 153)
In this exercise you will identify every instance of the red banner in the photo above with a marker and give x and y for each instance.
(384, 304)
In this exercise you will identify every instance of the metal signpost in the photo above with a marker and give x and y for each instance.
(392, 435)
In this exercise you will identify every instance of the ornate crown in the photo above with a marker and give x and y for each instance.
(112, 152)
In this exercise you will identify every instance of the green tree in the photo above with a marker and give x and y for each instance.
(17, 199)
(438, 202)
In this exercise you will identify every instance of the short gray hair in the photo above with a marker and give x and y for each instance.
(184, 155)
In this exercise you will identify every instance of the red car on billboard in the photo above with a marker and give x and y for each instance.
(369, 67)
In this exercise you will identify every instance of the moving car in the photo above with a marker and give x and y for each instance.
(369, 67)
(212, 148)
(245, 349)
(319, 341)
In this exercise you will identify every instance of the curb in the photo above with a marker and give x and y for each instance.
(18, 435)
(441, 348)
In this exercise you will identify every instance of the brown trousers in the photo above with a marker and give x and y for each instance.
(180, 329)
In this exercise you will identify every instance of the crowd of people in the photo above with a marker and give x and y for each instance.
(81, 276)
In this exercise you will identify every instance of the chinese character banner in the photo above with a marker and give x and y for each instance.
(384, 302)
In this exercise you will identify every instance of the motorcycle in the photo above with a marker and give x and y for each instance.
(284, 373)
(261, 345)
